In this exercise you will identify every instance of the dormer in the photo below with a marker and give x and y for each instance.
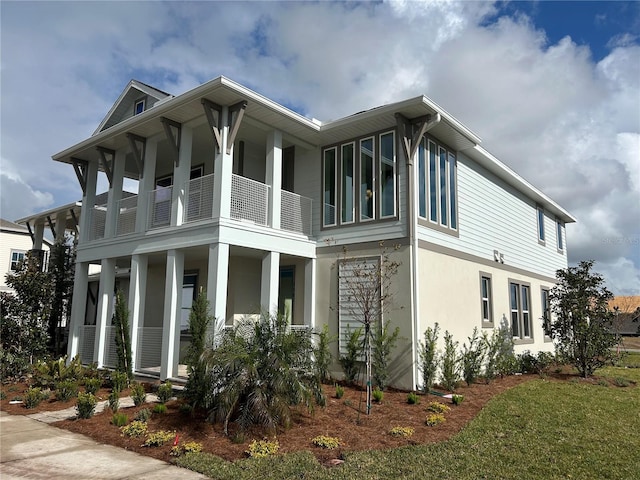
(136, 98)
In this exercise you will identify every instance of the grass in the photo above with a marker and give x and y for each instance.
(542, 429)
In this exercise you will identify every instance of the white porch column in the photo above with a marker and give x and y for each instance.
(310, 292)
(61, 226)
(105, 307)
(171, 319)
(146, 185)
(274, 176)
(88, 202)
(115, 194)
(181, 177)
(38, 234)
(137, 292)
(223, 169)
(270, 282)
(78, 308)
(217, 281)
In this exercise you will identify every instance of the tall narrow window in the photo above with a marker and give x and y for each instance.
(367, 188)
(514, 300)
(433, 183)
(387, 175)
(559, 235)
(486, 300)
(452, 191)
(189, 283)
(546, 312)
(520, 301)
(422, 179)
(443, 187)
(330, 187)
(348, 198)
(526, 318)
(541, 225)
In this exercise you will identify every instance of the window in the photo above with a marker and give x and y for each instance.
(546, 310)
(540, 225)
(139, 107)
(437, 185)
(360, 181)
(486, 306)
(17, 256)
(519, 301)
(559, 235)
(189, 283)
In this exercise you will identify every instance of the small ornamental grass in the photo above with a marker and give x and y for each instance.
(412, 398)
(160, 408)
(401, 432)
(189, 447)
(143, 415)
(377, 395)
(159, 438)
(263, 448)
(434, 419)
(324, 441)
(457, 399)
(339, 391)
(119, 419)
(438, 407)
(135, 429)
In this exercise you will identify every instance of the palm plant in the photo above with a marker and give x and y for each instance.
(258, 372)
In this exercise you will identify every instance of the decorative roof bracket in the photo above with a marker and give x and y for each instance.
(209, 109)
(33, 238)
(75, 220)
(173, 131)
(80, 167)
(106, 164)
(424, 124)
(234, 124)
(53, 230)
(138, 146)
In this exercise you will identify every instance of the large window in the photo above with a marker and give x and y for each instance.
(437, 185)
(520, 301)
(486, 299)
(17, 256)
(360, 181)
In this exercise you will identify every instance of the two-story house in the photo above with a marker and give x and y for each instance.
(254, 203)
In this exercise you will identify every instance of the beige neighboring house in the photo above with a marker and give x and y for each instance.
(627, 314)
(253, 202)
(15, 242)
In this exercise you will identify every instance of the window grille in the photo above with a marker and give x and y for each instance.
(149, 351)
(87, 341)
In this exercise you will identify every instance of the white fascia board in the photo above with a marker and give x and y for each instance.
(495, 166)
(43, 215)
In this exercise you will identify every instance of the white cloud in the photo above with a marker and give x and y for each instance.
(19, 199)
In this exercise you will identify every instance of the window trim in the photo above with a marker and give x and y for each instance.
(486, 323)
(13, 264)
(142, 102)
(546, 310)
(541, 227)
(520, 339)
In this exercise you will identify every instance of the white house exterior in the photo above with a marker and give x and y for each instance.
(253, 202)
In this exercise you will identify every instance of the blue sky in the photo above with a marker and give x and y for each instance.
(552, 88)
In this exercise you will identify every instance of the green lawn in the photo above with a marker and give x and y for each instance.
(538, 430)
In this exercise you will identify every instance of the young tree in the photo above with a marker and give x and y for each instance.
(61, 273)
(197, 387)
(123, 335)
(365, 294)
(583, 325)
(428, 357)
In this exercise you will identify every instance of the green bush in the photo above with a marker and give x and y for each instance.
(324, 441)
(412, 398)
(66, 390)
(473, 356)
(349, 361)
(450, 363)
(119, 419)
(377, 394)
(263, 448)
(383, 343)
(143, 415)
(119, 381)
(114, 401)
(134, 429)
(428, 357)
(92, 385)
(322, 353)
(33, 397)
(86, 405)
(160, 408)
(339, 391)
(138, 394)
(197, 388)
(165, 392)
(159, 438)
(457, 399)
(500, 359)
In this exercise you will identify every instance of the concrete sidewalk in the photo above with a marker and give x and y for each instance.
(31, 448)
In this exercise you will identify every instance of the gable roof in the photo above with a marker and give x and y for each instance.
(9, 226)
(123, 107)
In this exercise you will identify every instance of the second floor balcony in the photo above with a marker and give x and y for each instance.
(249, 203)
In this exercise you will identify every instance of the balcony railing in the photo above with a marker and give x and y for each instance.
(127, 210)
(198, 199)
(249, 200)
(98, 222)
(160, 207)
(295, 213)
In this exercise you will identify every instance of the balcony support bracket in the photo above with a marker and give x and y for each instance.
(234, 122)
(138, 146)
(173, 131)
(80, 167)
(210, 109)
(107, 159)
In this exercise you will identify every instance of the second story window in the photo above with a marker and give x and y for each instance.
(540, 225)
(360, 181)
(559, 235)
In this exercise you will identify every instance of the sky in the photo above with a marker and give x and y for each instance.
(552, 88)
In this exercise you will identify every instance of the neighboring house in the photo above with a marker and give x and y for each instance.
(15, 241)
(626, 314)
(254, 203)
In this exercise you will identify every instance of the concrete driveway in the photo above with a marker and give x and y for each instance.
(35, 450)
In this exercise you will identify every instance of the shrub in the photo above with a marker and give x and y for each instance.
(123, 337)
(324, 441)
(143, 415)
(322, 353)
(159, 438)
(138, 394)
(401, 432)
(186, 409)
(92, 385)
(349, 361)
(114, 401)
(119, 381)
(160, 408)
(189, 447)
(263, 448)
(135, 429)
(438, 407)
(428, 357)
(434, 419)
(3, 395)
(450, 363)
(119, 419)
(500, 358)
(457, 399)
(384, 342)
(33, 397)
(66, 390)
(86, 405)
(377, 394)
(165, 392)
(339, 391)
(197, 388)
(473, 357)
(412, 398)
